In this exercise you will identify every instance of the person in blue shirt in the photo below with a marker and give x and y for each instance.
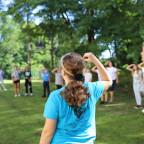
(46, 81)
(70, 111)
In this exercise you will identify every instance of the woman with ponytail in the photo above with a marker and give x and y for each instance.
(70, 111)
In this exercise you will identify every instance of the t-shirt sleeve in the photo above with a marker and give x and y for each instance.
(96, 89)
(51, 107)
(49, 74)
(115, 70)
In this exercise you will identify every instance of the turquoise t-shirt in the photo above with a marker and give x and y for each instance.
(70, 129)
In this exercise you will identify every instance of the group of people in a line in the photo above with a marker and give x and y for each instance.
(46, 79)
(138, 81)
(112, 70)
(136, 70)
(15, 75)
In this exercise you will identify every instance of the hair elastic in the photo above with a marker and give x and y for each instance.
(67, 71)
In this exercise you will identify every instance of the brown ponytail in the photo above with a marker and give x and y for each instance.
(74, 93)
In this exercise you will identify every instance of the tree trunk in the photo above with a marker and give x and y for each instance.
(91, 32)
(28, 44)
(52, 50)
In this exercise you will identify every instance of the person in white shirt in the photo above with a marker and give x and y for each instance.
(137, 80)
(58, 78)
(94, 69)
(1, 79)
(142, 55)
(87, 76)
(112, 70)
(142, 68)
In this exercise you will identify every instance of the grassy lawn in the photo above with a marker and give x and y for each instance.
(21, 119)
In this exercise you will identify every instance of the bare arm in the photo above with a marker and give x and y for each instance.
(106, 80)
(140, 65)
(116, 77)
(20, 69)
(53, 71)
(41, 71)
(105, 64)
(48, 131)
(129, 67)
(94, 69)
(140, 79)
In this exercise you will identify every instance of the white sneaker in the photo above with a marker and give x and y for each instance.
(19, 95)
(31, 94)
(5, 89)
(26, 94)
(15, 95)
(143, 111)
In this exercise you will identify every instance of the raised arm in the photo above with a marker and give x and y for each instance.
(107, 63)
(129, 67)
(20, 69)
(41, 71)
(106, 80)
(53, 71)
(94, 69)
(140, 65)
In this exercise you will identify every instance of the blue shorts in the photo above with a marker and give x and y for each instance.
(113, 86)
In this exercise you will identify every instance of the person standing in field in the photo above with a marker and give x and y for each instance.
(2, 79)
(94, 69)
(70, 111)
(15, 75)
(112, 70)
(46, 81)
(137, 80)
(58, 78)
(142, 55)
(27, 74)
(87, 75)
(142, 68)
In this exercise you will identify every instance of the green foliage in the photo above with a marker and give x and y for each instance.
(76, 26)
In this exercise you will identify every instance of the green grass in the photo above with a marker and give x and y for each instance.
(21, 119)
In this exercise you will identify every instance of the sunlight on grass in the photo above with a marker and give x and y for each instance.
(136, 135)
(112, 105)
(22, 81)
(7, 111)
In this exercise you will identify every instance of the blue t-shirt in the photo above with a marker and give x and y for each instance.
(70, 129)
(46, 76)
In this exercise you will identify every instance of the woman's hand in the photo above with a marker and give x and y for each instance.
(89, 57)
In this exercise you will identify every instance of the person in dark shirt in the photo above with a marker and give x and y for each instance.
(27, 74)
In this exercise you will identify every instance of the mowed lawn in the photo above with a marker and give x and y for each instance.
(21, 119)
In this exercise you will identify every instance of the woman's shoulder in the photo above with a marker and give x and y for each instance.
(93, 85)
(56, 93)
